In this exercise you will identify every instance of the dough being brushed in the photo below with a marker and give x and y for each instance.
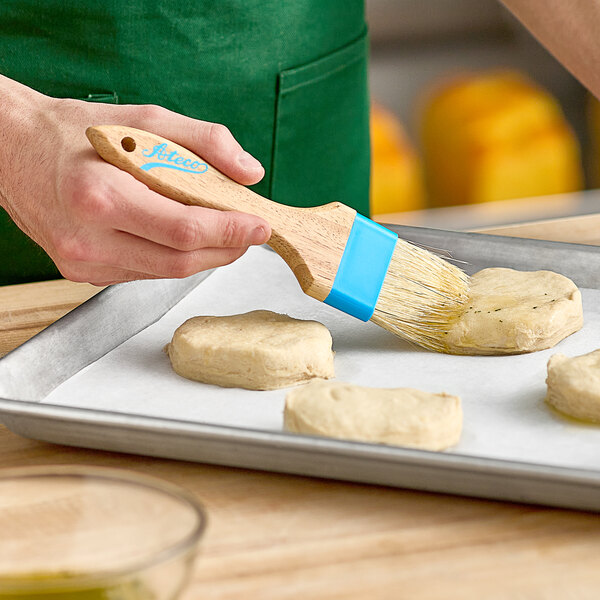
(259, 350)
(512, 312)
(574, 385)
(400, 417)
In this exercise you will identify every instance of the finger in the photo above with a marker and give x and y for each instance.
(211, 141)
(137, 210)
(99, 275)
(125, 252)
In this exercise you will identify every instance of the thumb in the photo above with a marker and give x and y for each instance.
(211, 141)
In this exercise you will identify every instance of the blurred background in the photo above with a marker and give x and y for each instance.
(474, 119)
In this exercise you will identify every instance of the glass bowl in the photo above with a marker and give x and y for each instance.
(90, 533)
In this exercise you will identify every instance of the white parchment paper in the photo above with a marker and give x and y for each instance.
(505, 415)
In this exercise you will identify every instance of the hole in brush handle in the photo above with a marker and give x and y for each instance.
(128, 144)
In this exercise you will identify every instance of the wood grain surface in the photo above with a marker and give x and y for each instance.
(584, 229)
(274, 536)
(28, 308)
(545, 214)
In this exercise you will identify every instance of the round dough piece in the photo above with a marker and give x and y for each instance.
(512, 312)
(400, 417)
(259, 350)
(574, 385)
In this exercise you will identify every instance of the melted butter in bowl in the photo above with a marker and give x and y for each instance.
(90, 533)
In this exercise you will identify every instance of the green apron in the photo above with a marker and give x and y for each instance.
(289, 78)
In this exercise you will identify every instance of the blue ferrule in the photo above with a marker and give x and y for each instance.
(363, 268)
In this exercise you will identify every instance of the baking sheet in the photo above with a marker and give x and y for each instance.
(505, 416)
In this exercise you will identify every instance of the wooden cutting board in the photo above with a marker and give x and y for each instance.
(584, 229)
(28, 308)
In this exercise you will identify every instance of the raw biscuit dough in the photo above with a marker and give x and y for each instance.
(400, 417)
(574, 385)
(259, 350)
(512, 312)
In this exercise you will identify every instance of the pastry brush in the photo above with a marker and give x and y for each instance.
(338, 256)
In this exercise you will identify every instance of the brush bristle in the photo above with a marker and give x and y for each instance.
(421, 297)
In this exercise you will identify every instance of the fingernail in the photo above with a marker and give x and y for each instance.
(258, 236)
(247, 161)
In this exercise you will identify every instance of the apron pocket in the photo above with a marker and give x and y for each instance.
(321, 139)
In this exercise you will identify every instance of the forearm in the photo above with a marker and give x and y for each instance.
(569, 29)
(19, 105)
(21, 110)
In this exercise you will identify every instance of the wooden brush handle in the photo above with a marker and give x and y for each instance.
(310, 240)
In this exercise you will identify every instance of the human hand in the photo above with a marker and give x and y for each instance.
(98, 223)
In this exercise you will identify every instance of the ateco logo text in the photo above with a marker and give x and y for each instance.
(171, 160)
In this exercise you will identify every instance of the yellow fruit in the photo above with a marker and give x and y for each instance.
(496, 136)
(396, 176)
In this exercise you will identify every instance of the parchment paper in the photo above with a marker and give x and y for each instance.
(505, 415)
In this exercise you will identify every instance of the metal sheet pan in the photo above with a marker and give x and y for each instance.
(31, 372)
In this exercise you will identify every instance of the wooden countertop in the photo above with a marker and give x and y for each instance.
(280, 537)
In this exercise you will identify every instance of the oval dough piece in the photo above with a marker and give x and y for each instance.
(574, 385)
(259, 350)
(400, 417)
(512, 312)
